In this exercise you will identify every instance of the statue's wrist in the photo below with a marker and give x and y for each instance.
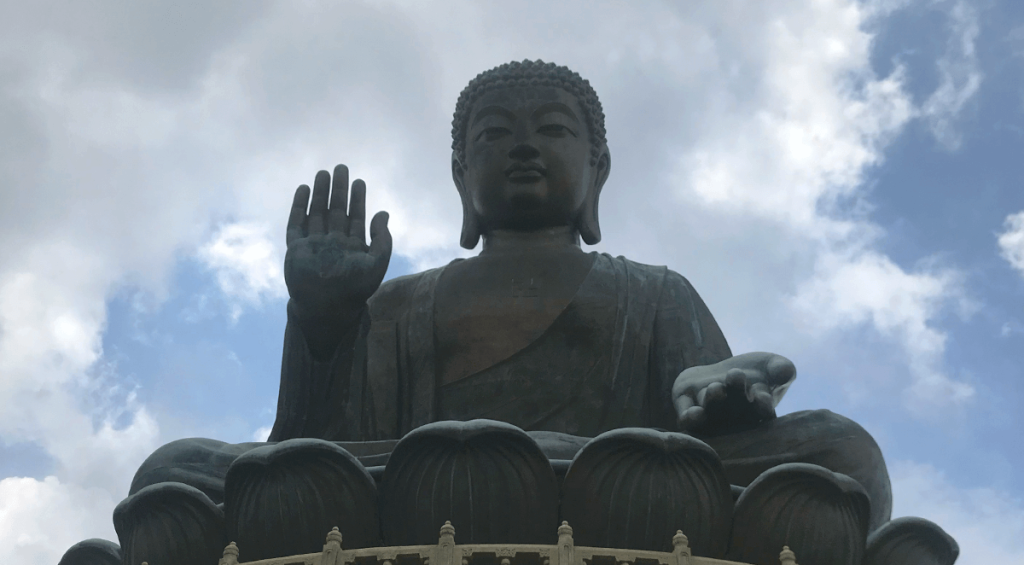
(324, 329)
(324, 314)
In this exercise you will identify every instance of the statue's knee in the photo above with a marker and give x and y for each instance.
(197, 462)
(834, 441)
(844, 446)
(826, 425)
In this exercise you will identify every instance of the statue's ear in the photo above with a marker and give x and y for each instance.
(588, 223)
(470, 227)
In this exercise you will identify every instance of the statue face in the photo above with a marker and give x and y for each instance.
(527, 159)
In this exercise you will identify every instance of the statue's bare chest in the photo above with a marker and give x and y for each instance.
(488, 308)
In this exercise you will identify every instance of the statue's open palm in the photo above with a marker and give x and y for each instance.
(736, 393)
(329, 268)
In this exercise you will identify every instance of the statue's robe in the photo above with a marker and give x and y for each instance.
(607, 361)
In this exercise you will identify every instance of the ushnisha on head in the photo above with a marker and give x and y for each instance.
(529, 152)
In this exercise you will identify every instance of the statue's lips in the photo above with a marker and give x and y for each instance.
(524, 174)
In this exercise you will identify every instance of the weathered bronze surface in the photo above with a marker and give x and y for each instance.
(538, 334)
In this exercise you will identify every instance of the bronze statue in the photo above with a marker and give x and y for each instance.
(533, 331)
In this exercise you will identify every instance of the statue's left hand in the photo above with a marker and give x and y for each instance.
(737, 393)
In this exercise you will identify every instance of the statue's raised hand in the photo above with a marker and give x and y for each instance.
(737, 393)
(329, 268)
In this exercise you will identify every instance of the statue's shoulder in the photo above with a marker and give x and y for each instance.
(656, 274)
(398, 288)
(397, 295)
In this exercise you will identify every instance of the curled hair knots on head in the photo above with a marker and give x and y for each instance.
(530, 73)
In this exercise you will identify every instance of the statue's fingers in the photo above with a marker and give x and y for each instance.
(780, 370)
(297, 216)
(318, 205)
(357, 211)
(712, 395)
(692, 418)
(761, 399)
(757, 388)
(380, 236)
(736, 380)
(337, 219)
(683, 402)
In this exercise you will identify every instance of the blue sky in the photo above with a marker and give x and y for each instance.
(841, 180)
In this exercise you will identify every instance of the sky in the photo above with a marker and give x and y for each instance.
(842, 181)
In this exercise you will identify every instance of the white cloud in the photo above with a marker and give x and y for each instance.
(868, 288)
(1010, 328)
(960, 75)
(1011, 241)
(246, 263)
(795, 156)
(262, 434)
(52, 319)
(40, 519)
(56, 393)
(818, 121)
(987, 524)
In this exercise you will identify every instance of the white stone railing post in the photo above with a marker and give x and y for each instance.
(681, 548)
(230, 556)
(566, 546)
(445, 546)
(332, 548)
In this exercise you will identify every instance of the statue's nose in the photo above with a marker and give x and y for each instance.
(523, 152)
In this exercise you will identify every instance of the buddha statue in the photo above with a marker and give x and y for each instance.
(533, 340)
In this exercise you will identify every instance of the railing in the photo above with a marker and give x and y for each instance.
(447, 552)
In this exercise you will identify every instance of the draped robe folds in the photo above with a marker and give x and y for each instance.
(607, 361)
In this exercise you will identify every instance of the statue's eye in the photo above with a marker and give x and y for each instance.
(556, 130)
(492, 133)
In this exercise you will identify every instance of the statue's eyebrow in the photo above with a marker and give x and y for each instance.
(493, 109)
(555, 107)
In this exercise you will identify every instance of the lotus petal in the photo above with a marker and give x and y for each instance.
(635, 487)
(490, 479)
(169, 524)
(911, 541)
(822, 516)
(280, 499)
(92, 552)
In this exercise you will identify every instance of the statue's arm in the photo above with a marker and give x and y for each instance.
(317, 365)
(685, 335)
(711, 390)
(700, 338)
(331, 272)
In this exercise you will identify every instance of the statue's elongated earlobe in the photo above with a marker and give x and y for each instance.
(470, 227)
(588, 223)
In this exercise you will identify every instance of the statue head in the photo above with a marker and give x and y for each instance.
(529, 151)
